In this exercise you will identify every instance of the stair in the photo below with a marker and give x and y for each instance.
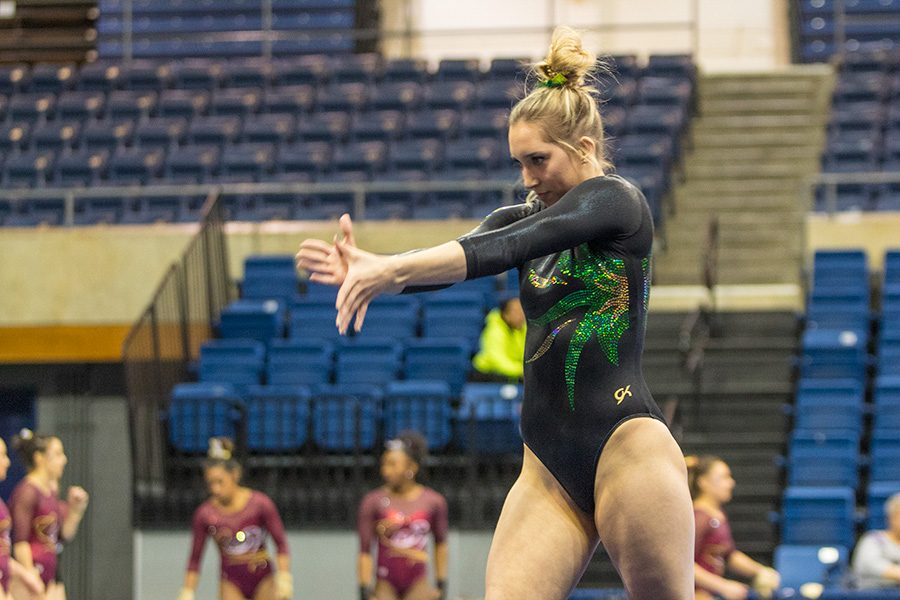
(738, 415)
(756, 139)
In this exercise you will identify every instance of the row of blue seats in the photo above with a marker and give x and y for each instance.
(108, 75)
(828, 515)
(307, 99)
(365, 360)
(343, 418)
(827, 457)
(868, 26)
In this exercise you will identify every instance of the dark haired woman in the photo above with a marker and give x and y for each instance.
(11, 569)
(711, 485)
(239, 520)
(401, 515)
(41, 521)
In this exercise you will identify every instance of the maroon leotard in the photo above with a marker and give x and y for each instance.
(713, 543)
(37, 518)
(241, 537)
(5, 545)
(402, 527)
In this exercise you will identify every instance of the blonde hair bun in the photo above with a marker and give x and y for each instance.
(567, 63)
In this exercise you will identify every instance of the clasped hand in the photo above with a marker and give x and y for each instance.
(361, 275)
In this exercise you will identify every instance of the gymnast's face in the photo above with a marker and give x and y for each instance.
(547, 168)
(54, 459)
(397, 468)
(221, 483)
(4, 460)
(718, 483)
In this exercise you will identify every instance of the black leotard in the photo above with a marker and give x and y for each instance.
(584, 276)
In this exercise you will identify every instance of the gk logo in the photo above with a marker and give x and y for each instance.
(622, 393)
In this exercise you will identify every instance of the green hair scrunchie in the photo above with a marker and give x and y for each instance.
(557, 80)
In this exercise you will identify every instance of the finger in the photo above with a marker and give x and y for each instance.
(361, 315)
(347, 229)
(354, 299)
(313, 244)
(322, 278)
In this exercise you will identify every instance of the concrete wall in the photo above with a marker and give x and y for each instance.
(731, 35)
(323, 564)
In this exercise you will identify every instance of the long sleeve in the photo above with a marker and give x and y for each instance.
(869, 560)
(498, 219)
(365, 524)
(198, 526)
(440, 524)
(597, 209)
(274, 524)
(23, 504)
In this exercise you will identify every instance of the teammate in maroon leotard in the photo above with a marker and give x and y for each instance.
(239, 520)
(11, 569)
(40, 519)
(711, 485)
(401, 515)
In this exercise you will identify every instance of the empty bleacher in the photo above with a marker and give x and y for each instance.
(339, 119)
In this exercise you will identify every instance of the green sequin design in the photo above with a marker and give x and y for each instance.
(606, 298)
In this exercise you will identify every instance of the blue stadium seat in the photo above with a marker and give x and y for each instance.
(299, 362)
(399, 70)
(14, 78)
(199, 411)
(446, 360)
(238, 362)
(192, 164)
(884, 455)
(236, 102)
(290, 100)
(456, 95)
(248, 72)
(324, 127)
(818, 515)
(161, 133)
(368, 360)
(420, 155)
(14, 136)
(247, 162)
(404, 96)
(508, 69)
(664, 91)
(456, 69)
(131, 104)
(876, 495)
(145, 75)
(93, 211)
(346, 417)
(314, 319)
(836, 354)
(799, 565)
(31, 107)
(860, 87)
(101, 76)
(310, 158)
(362, 157)
(196, 74)
(278, 418)
(475, 154)
(840, 267)
(357, 68)
(422, 406)
(29, 169)
(675, 66)
(485, 123)
(276, 129)
(432, 124)
(135, 166)
(824, 458)
(487, 420)
(382, 125)
(394, 317)
(183, 103)
(54, 78)
(499, 94)
(254, 319)
(297, 72)
(80, 105)
(56, 136)
(82, 168)
(343, 97)
(216, 130)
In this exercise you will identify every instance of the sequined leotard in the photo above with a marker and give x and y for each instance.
(584, 278)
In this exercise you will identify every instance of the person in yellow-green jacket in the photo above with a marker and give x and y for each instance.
(502, 344)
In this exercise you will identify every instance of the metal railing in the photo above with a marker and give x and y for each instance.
(829, 183)
(167, 337)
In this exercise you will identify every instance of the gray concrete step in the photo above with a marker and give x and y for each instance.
(763, 154)
(745, 170)
(711, 138)
(782, 105)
